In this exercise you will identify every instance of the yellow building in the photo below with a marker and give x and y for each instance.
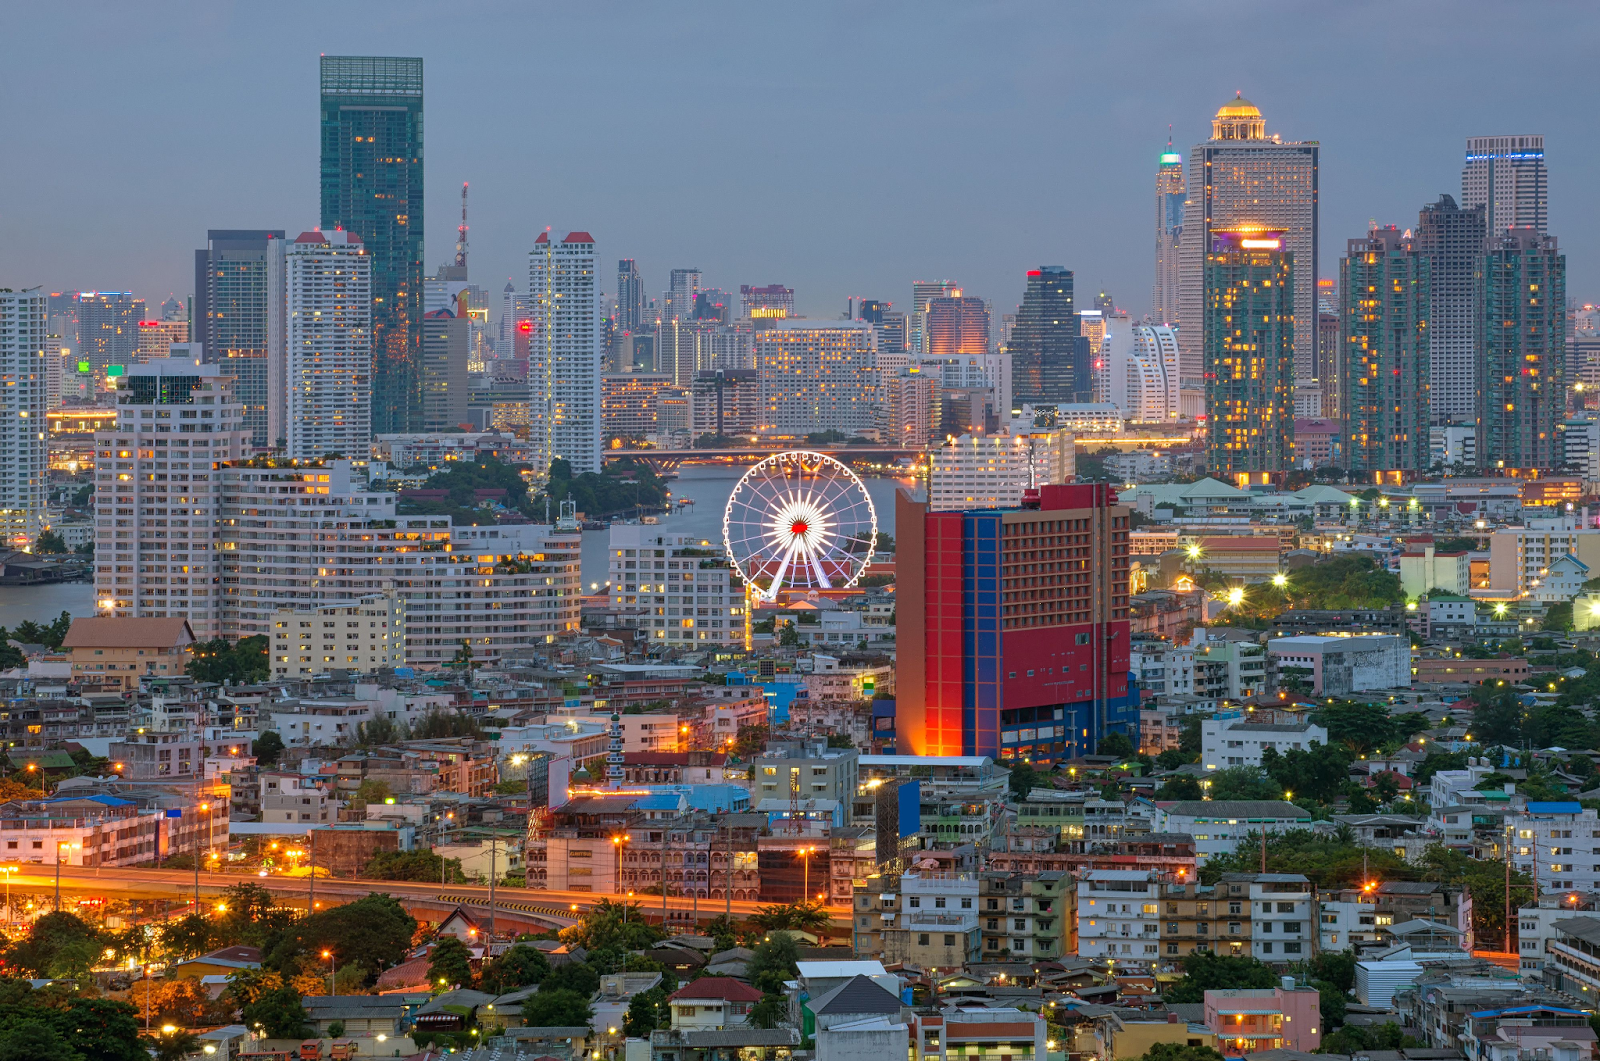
(119, 652)
(1122, 1034)
(363, 635)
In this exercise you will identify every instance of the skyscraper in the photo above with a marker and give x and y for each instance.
(1142, 370)
(372, 186)
(238, 320)
(1521, 345)
(1452, 238)
(328, 346)
(816, 375)
(1243, 176)
(923, 292)
(447, 339)
(1506, 176)
(156, 336)
(1386, 281)
(1249, 354)
(564, 354)
(769, 302)
(956, 325)
(108, 328)
(630, 297)
(1044, 342)
(23, 400)
(684, 285)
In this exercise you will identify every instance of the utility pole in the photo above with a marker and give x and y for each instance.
(1263, 847)
(494, 844)
(1507, 917)
(727, 879)
(311, 881)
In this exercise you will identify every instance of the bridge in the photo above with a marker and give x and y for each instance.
(535, 909)
(668, 460)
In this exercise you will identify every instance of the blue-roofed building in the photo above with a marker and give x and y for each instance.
(1552, 842)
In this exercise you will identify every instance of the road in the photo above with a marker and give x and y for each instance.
(555, 908)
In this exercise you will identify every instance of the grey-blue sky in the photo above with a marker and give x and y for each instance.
(843, 149)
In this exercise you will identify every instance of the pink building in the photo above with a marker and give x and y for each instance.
(1249, 1020)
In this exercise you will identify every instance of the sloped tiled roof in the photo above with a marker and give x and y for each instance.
(724, 987)
(857, 995)
(106, 632)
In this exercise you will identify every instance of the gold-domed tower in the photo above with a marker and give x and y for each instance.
(1238, 119)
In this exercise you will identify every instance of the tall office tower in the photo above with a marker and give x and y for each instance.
(767, 303)
(1249, 364)
(108, 328)
(159, 505)
(564, 355)
(713, 303)
(372, 186)
(508, 320)
(446, 350)
(1001, 663)
(1506, 176)
(1092, 325)
(1453, 238)
(1169, 227)
(1521, 343)
(871, 310)
(1243, 176)
(891, 333)
(955, 325)
(817, 375)
(156, 336)
(1044, 343)
(23, 402)
(683, 286)
(1330, 376)
(1387, 285)
(1142, 370)
(238, 320)
(687, 346)
(328, 363)
(630, 296)
(922, 293)
(174, 310)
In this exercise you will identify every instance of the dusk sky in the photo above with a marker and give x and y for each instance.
(840, 149)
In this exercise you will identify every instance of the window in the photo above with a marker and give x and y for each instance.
(922, 939)
(949, 940)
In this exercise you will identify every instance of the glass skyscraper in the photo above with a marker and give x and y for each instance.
(238, 318)
(1044, 342)
(372, 186)
(1249, 355)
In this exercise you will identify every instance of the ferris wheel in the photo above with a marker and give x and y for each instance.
(800, 520)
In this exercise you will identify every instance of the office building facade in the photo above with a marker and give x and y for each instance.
(372, 186)
(996, 471)
(767, 302)
(1243, 176)
(1044, 342)
(239, 301)
(956, 326)
(817, 375)
(1521, 346)
(1386, 283)
(24, 447)
(1018, 620)
(682, 287)
(1452, 238)
(630, 297)
(564, 352)
(1506, 176)
(328, 362)
(922, 293)
(1249, 354)
(1170, 194)
(107, 328)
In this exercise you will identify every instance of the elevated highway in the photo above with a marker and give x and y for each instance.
(667, 460)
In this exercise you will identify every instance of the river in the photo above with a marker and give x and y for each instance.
(43, 603)
(710, 486)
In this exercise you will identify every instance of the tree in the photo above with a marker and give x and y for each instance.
(1117, 744)
(773, 962)
(462, 660)
(415, 865)
(560, 1008)
(438, 724)
(450, 963)
(646, 1012)
(1213, 972)
(612, 926)
(373, 932)
(49, 544)
(1244, 782)
(1180, 1052)
(1361, 728)
(1337, 967)
(1318, 772)
(56, 942)
(1180, 787)
(802, 916)
(267, 747)
(578, 978)
(220, 660)
(372, 790)
(380, 730)
(278, 1014)
(1024, 778)
(520, 966)
(768, 1011)
(1558, 617)
(176, 1045)
(35, 1041)
(189, 938)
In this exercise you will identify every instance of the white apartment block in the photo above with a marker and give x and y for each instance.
(1580, 446)
(293, 799)
(1218, 825)
(158, 496)
(1164, 668)
(1142, 370)
(85, 832)
(1506, 175)
(361, 636)
(991, 371)
(328, 346)
(992, 471)
(675, 589)
(1558, 845)
(1283, 917)
(818, 374)
(1119, 915)
(911, 400)
(1521, 557)
(564, 351)
(1339, 666)
(23, 401)
(1233, 741)
(1344, 924)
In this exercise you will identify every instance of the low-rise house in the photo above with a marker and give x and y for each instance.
(117, 653)
(712, 1003)
(1252, 1020)
(1235, 741)
(1218, 825)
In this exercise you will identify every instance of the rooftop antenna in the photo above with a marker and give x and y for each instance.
(461, 232)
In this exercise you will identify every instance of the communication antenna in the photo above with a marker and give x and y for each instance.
(461, 232)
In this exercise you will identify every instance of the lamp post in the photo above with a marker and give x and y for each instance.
(60, 846)
(617, 840)
(805, 854)
(8, 871)
(333, 975)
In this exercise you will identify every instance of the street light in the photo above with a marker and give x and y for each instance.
(9, 871)
(60, 845)
(805, 854)
(617, 840)
(333, 976)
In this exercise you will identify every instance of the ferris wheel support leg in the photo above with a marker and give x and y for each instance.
(816, 567)
(777, 580)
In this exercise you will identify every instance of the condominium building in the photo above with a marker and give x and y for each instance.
(1251, 285)
(725, 402)
(956, 325)
(1506, 176)
(675, 588)
(1244, 176)
(768, 302)
(1231, 740)
(24, 445)
(1386, 282)
(993, 471)
(817, 375)
(156, 338)
(628, 403)
(564, 352)
(1452, 239)
(1521, 349)
(912, 401)
(107, 328)
(1169, 228)
(158, 495)
(922, 293)
(364, 635)
(1554, 843)
(446, 351)
(239, 302)
(1142, 371)
(328, 361)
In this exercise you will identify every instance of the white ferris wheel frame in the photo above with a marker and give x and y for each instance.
(800, 529)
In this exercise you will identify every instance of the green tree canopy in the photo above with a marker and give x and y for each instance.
(267, 748)
(1117, 744)
(278, 1014)
(449, 963)
(647, 1011)
(55, 945)
(49, 544)
(220, 660)
(419, 864)
(580, 978)
(519, 966)
(1243, 782)
(557, 1008)
(1214, 972)
(373, 932)
(774, 961)
(1180, 1052)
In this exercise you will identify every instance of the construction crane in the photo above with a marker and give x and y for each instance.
(461, 232)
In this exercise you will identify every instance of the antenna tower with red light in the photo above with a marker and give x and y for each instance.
(461, 232)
